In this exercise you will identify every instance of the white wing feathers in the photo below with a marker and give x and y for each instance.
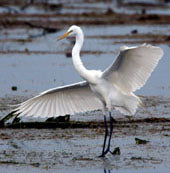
(133, 67)
(60, 101)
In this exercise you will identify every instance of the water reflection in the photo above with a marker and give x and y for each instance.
(107, 170)
(110, 162)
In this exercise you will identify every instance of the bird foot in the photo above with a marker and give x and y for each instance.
(105, 152)
(102, 155)
(115, 152)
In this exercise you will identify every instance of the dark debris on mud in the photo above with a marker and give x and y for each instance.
(51, 22)
(11, 20)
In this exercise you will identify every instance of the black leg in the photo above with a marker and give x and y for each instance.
(111, 130)
(105, 137)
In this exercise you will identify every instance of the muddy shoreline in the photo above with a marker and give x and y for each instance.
(79, 148)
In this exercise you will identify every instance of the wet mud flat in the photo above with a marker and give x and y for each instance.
(78, 149)
(75, 145)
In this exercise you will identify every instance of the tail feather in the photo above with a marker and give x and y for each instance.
(131, 103)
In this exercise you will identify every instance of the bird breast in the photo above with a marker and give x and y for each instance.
(102, 90)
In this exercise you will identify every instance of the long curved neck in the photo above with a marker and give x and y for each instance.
(84, 73)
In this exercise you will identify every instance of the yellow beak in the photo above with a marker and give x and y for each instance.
(64, 36)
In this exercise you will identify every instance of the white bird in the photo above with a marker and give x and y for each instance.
(112, 88)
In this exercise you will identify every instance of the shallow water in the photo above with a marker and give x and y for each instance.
(45, 64)
(78, 149)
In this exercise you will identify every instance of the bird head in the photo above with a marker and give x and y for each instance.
(71, 31)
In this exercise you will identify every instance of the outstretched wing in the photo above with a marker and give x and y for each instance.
(60, 101)
(133, 67)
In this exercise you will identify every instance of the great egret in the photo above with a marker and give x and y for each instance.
(112, 88)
